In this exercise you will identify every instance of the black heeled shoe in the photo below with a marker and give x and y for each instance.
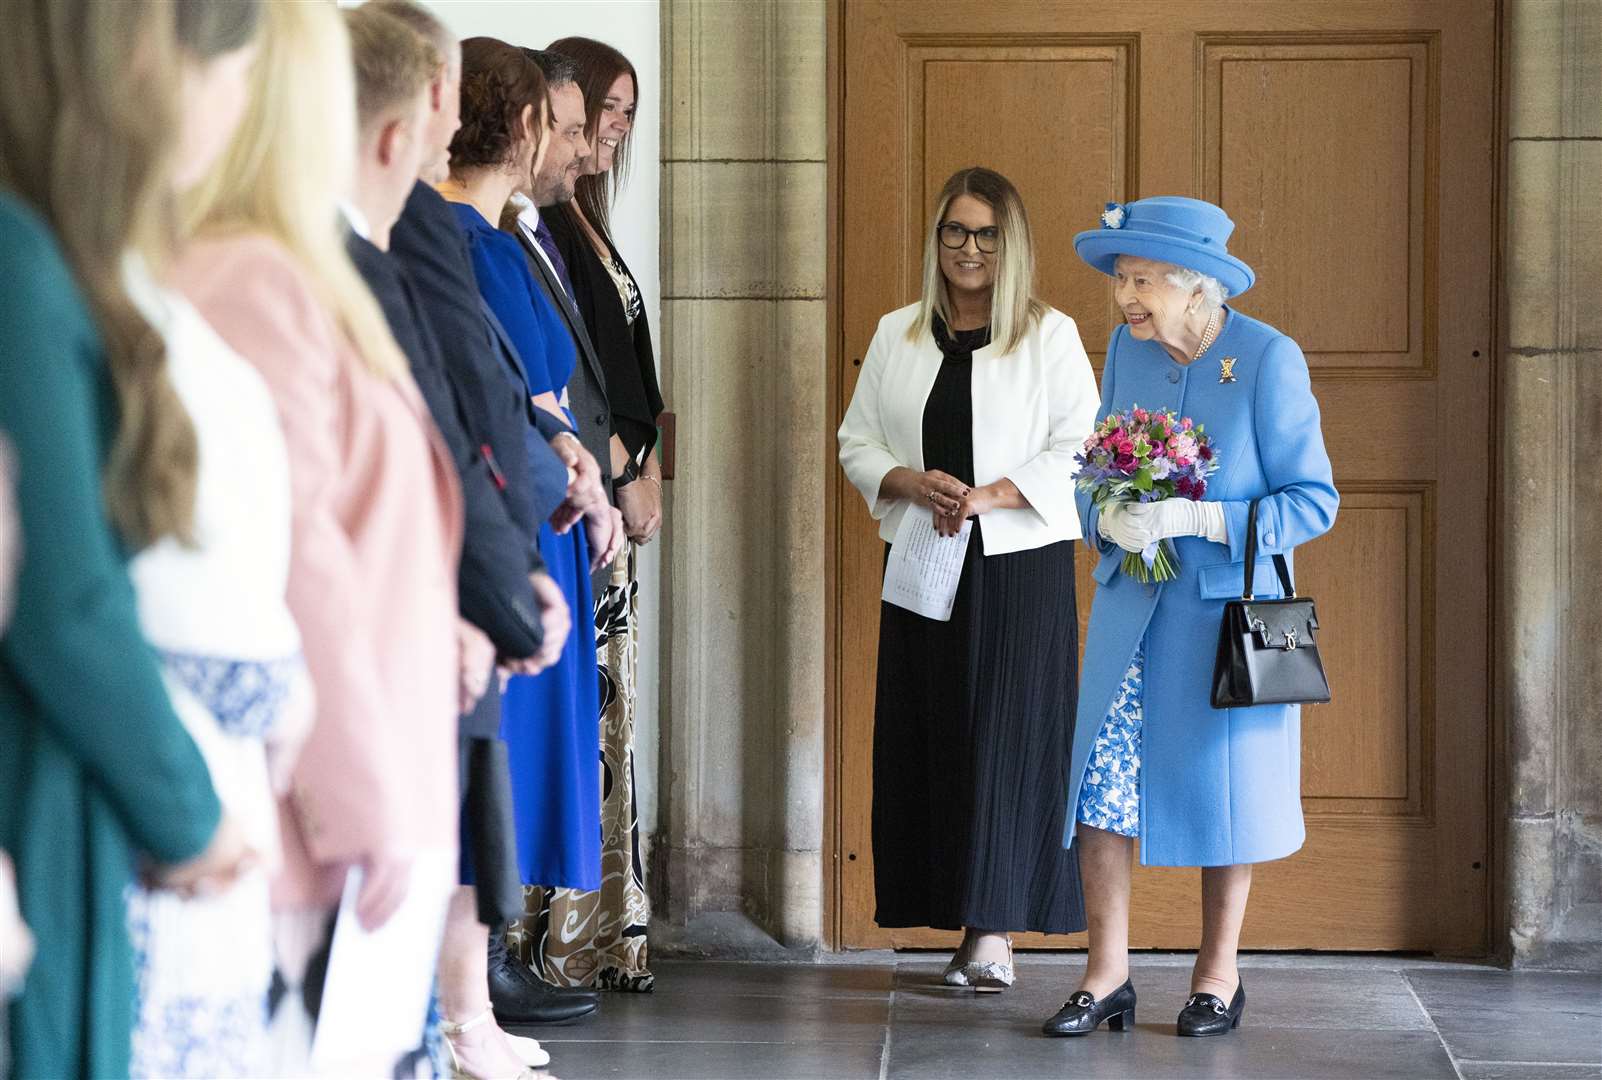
(1081, 1014)
(1206, 1014)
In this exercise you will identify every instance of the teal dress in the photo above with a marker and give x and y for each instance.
(96, 771)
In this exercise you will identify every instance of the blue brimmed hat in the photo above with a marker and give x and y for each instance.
(1167, 228)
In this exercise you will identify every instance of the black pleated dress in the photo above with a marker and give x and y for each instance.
(974, 721)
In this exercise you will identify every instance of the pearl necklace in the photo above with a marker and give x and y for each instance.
(1207, 336)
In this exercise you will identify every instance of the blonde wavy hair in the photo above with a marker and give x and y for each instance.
(294, 152)
(1014, 310)
(88, 108)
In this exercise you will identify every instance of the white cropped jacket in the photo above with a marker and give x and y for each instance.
(1033, 409)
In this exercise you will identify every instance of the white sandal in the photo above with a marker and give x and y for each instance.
(449, 1029)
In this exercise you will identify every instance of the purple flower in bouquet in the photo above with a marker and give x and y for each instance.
(1146, 456)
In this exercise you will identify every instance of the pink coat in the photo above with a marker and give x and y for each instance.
(377, 523)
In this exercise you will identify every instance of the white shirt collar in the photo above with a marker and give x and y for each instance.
(528, 215)
(356, 219)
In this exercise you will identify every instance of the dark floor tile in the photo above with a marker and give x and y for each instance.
(725, 1018)
(715, 1061)
(1153, 1052)
(1534, 1016)
(1525, 1070)
(711, 977)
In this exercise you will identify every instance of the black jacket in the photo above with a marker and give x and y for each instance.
(624, 348)
(497, 557)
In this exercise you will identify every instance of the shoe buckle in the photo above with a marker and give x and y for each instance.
(1219, 1008)
(1082, 1000)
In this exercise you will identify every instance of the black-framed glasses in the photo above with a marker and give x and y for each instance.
(954, 235)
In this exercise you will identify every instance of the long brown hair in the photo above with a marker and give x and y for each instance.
(599, 66)
(87, 112)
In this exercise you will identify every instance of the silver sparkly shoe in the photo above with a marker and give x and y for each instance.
(990, 977)
(956, 973)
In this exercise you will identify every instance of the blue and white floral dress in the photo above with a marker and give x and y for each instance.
(215, 611)
(1109, 798)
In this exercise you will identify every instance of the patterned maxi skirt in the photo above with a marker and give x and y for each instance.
(598, 939)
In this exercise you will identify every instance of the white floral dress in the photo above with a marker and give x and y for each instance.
(1109, 799)
(216, 613)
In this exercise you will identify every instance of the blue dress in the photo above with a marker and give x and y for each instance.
(550, 721)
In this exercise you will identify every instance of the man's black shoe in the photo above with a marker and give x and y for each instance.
(521, 997)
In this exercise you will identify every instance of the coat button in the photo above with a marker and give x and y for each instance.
(1173, 376)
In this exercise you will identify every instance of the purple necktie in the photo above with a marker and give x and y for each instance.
(547, 243)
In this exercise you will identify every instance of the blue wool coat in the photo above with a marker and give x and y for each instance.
(1217, 787)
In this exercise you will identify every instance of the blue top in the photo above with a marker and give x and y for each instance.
(508, 286)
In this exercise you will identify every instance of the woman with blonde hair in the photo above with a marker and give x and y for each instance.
(97, 774)
(971, 405)
(376, 511)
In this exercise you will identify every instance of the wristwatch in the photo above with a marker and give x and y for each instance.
(630, 473)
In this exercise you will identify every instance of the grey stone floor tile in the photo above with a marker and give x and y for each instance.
(740, 979)
(724, 1018)
(716, 1061)
(1539, 1016)
(1277, 998)
(1525, 1070)
(1153, 1052)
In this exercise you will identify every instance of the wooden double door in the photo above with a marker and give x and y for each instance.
(1352, 143)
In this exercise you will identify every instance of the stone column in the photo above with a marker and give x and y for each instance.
(743, 206)
(1551, 612)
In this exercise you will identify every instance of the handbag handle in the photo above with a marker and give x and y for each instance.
(1251, 558)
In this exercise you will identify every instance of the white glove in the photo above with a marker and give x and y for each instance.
(1118, 525)
(1179, 517)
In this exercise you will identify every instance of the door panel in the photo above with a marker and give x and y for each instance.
(1350, 140)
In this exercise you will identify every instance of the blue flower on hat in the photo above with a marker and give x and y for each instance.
(1113, 216)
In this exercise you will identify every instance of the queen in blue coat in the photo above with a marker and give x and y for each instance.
(1152, 759)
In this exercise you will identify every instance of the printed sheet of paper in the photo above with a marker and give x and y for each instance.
(376, 993)
(924, 567)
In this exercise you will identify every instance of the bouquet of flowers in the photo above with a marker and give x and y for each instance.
(1145, 456)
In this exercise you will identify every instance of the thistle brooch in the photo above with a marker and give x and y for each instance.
(1226, 372)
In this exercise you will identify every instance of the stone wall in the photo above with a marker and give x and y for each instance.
(1551, 611)
(743, 193)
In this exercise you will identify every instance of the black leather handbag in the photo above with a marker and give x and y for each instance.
(1268, 649)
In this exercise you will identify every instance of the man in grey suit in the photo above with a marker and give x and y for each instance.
(565, 155)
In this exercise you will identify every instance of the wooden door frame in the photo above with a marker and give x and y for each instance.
(834, 270)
